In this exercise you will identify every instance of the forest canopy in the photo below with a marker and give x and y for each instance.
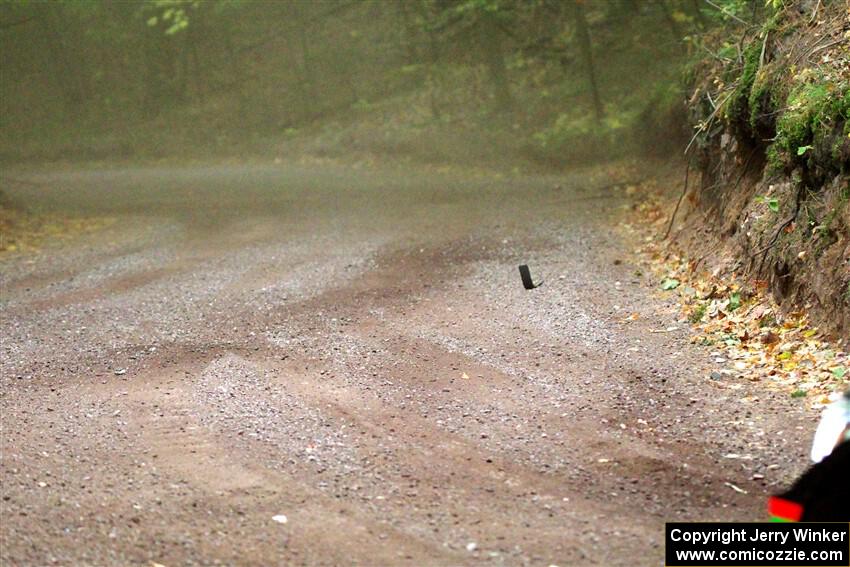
(164, 76)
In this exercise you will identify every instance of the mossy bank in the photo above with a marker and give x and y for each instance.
(772, 144)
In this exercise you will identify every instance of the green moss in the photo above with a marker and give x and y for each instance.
(739, 101)
(774, 159)
(753, 93)
(813, 107)
(813, 111)
(761, 97)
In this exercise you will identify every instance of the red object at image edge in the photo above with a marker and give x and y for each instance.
(784, 509)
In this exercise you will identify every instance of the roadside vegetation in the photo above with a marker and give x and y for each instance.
(770, 104)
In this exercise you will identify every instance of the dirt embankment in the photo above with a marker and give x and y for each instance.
(771, 152)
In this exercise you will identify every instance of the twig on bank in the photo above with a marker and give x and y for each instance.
(679, 202)
(814, 13)
(763, 48)
(763, 250)
(830, 44)
(745, 169)
(805, 55)
(723, 60)
(708, 121)
(723, 10)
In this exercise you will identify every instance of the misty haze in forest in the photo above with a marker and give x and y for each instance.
(162, 78)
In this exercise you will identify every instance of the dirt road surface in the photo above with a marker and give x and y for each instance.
(352, 349)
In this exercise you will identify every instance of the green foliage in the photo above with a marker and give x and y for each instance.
(739, 102)
(771, 202)
(800, 110)
(174, 14)
(727, 11)
(571, 133)
(734, 301)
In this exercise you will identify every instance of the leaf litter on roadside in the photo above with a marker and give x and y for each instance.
(739, 321)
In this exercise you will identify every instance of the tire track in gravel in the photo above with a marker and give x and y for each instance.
(233, 436)
(437, 361)
(635, 456)
(281, 431)
(421, 442)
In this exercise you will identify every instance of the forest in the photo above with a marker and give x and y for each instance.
(160, 77)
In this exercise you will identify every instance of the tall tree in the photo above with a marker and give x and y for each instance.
(491, 43)
(586, 48)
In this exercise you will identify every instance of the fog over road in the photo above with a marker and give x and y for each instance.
(353, 349)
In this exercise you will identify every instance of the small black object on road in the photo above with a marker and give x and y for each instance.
(527, 283)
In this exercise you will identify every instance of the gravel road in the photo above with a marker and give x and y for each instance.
(325, 365)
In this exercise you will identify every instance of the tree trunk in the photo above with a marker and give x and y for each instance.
(64, 72)
(433, 84)
(586, 48)
(495, 61)
(697, 11)
(308, 80)
(433, 52)
(157, 58)
(197, 29)
(675, 31)
(236, 73)
(407, 35)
